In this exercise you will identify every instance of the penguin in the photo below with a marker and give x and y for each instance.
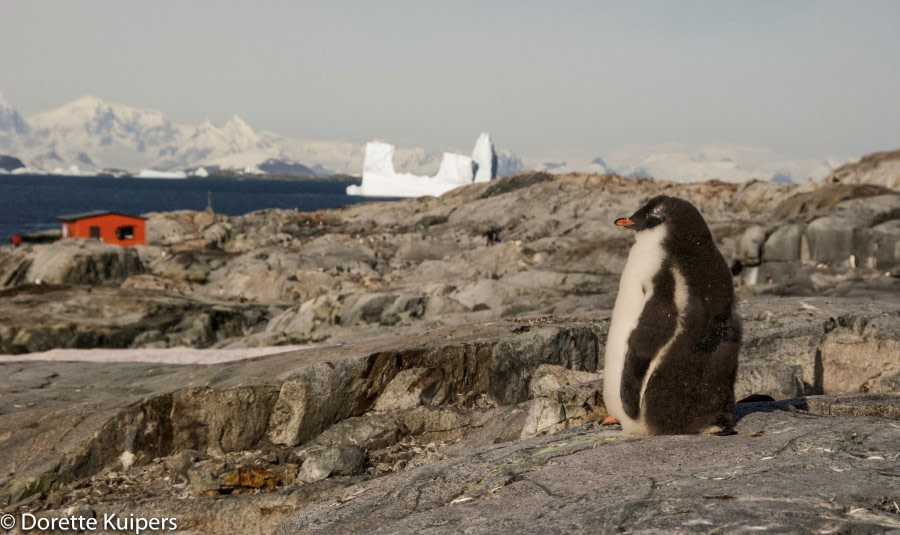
(672, 352)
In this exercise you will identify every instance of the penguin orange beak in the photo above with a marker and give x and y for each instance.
(624, 222)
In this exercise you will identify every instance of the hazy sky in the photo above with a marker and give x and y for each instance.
(807, 79)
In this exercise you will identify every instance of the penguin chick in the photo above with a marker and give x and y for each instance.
(672, 351)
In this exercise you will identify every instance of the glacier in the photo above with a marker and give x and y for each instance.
(379, 179)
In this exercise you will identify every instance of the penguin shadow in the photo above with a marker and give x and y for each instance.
(764, 403)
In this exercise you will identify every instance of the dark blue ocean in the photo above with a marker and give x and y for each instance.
(32, 203)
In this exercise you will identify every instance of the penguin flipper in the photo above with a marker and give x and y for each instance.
(632, 380)
(656, 326)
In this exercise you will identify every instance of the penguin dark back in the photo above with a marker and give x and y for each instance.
(672, 353)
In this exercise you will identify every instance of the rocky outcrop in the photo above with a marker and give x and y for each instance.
(818, 346)
(426, 441)
(10, 163)
(41, 317)
(186, 229)
(314, 430)
(219, 410)
(826, 197)
(463, 368)
(73, 261)
(880, 168)
(850, 230)
(483, 252)
(783, 471)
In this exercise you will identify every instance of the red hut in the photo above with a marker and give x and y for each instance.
(111, 227)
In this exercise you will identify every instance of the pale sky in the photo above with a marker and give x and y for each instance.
(808, 79)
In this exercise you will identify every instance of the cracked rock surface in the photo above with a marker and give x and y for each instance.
(495, 430)
(784, 472)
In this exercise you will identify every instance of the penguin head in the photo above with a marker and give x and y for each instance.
(661, 210)
(652, 214)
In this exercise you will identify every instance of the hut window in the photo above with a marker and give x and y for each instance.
(125, 233)
(95, 232)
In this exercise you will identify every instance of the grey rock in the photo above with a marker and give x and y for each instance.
(223, 420)
(39, 318)
(813, 198)
(203, 480)
(411, 388)
(817, 345)
(307, 321)
(187, 265)
(265, 274)
(548, 379)
(343, 460)
(880, 405)
(436, 424)
(504, 381)
(313, 398)
(183, 461)
(784, 471)
(882, 168)
(70, 261)
(835, 239)
(475, 363)
(862, 356)
(749, 247)
(420, 251)
(371, 431)
(563, 399)
(872, 210)
(885, 244)
(183, 228)
(784, 244)
(366, 308)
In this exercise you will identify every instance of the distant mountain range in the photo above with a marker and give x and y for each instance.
(694, 163)
(90, 136)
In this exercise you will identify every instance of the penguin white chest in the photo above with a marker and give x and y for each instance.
(635, 288)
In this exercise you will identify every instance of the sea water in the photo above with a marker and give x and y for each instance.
(31, 203)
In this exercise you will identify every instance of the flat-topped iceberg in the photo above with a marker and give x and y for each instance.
(379, 179)
(154, 173)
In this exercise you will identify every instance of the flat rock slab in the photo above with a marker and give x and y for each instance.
(784, 472)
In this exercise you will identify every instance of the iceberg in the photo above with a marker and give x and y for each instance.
(201, 172)
(485, 159)
(153, 173)
(379, 179)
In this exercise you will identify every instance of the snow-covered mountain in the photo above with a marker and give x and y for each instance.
(693, 163)
(89, 135)
(95, 135)
(11, 123)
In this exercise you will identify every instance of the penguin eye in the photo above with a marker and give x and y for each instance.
(654, 218)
